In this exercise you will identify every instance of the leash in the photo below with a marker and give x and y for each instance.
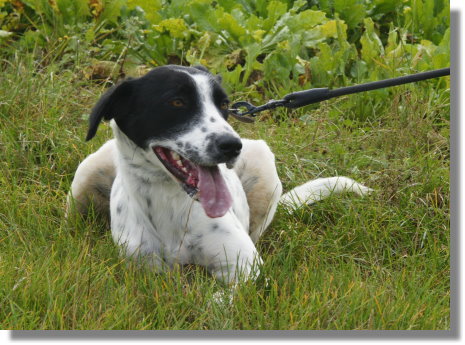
(302, 98)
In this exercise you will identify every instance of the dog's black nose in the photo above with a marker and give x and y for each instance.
(229, 146)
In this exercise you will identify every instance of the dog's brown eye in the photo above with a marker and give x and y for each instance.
(224, 105)
(177, 103)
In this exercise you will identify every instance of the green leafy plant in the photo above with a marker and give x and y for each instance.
(381, 262)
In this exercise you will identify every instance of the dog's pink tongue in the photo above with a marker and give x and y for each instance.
(214, 194)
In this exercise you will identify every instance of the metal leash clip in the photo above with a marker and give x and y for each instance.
(252, 110)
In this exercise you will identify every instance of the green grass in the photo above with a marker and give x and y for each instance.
(378, 262)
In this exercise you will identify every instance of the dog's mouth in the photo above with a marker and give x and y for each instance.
(203, 183)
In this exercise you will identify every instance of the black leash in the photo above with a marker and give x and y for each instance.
(302, 98)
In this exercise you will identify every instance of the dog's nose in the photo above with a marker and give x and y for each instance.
(229, 146)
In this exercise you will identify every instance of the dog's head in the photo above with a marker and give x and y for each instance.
(177, 116)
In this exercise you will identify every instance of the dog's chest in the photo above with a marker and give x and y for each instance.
(162, 219)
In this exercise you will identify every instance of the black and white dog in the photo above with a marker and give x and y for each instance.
(182, 187)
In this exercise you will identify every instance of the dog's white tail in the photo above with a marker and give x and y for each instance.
(318, 189)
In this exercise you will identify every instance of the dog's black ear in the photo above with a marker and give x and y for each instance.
(116, 102)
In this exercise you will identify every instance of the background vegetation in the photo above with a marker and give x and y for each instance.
(380, 262)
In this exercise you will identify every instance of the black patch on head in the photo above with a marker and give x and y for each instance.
(219, 97)
(149, 202)
(144, 108)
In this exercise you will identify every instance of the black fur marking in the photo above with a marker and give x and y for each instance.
(142, 107)
(211, 136)
(249, 183)
(135, 166)
(107, 173)
(193, 154)
(223, 148)
(195, 246)
(103, 190)
(113, 104)
(144, 181)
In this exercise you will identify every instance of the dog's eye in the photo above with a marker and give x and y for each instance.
(224, 105)
(177, 103)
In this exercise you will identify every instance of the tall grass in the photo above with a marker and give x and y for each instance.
(378, 262)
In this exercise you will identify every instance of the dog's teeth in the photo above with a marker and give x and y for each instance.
(175, 156)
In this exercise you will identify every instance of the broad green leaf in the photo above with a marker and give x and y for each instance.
(275, 10)
(372, 47)
(72, 11)
(151, 8)
(330, 29)
(352, 11)
(228, 22)
(278, 66)
(359, 70)
(306, 20)
(112, 10)
(297, 6)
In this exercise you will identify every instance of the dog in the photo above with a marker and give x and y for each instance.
(179, 183)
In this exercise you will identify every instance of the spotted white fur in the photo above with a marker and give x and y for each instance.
(155, 220)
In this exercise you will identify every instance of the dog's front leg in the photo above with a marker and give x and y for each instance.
(226, 250)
